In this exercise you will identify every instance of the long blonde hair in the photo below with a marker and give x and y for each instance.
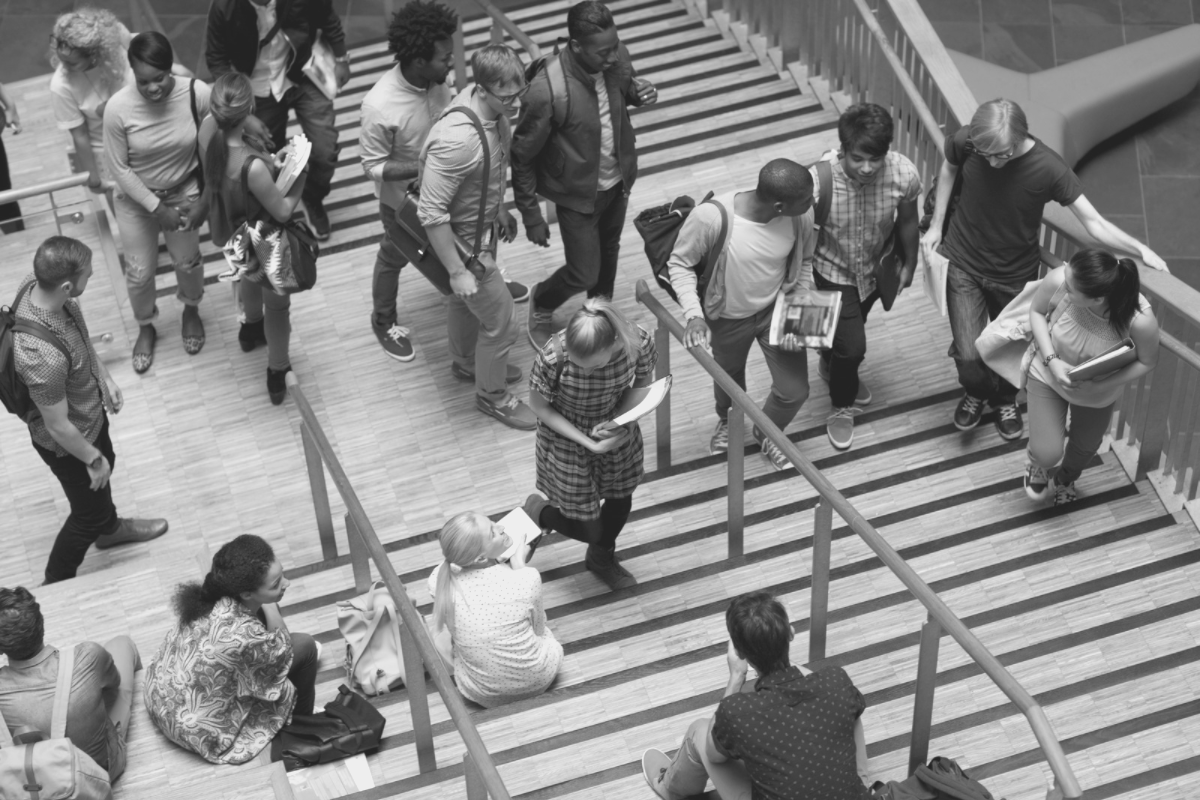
(463, 539)
(95, 33)
(598, 326)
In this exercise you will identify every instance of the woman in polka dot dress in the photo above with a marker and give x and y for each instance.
(584, 377)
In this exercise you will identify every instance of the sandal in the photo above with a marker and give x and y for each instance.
(143, 349)
(193, 331)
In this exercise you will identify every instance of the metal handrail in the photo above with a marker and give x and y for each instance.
(939, 613)
(56, 185)
(481, 770)
(511, 28)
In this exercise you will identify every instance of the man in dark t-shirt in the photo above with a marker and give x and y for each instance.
(792, 735)
(1008, 176)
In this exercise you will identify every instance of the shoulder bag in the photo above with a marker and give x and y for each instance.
(371, 627)
(349, 725)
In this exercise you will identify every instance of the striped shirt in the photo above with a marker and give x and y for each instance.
(861, 218)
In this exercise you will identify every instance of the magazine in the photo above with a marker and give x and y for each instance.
(297, 153)
(321, 68)
(805, 319)
(656, 394)
(1111, 360)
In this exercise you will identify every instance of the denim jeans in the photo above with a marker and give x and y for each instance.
(731, 340)
(849, 343)
(260, 302)
(973, 303)
(10, 213)
(482, 329)
(303, 674)
(127, 661)
(317, 119)
(591, 244)
(388, 263)
(1051, 439)
(139, 239)
(92, 512)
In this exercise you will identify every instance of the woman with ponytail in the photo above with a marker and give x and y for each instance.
(231, 674)
(1080, 310)
(586, 375)
(225, 147)
(488, 620)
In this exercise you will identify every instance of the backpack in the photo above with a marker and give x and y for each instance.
(38, 768)
(943, 779)
(659, 228)
(371, 627)
(13, 391)
(560, 94)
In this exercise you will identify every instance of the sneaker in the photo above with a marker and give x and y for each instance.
(319, 219)
(968, 413)
(1037, 482)
(605, 566)
(840, 427)
(394, 341)
(541, 326)
(277, 384)
(251, 335)
(511, 375)
(775, 457)
(719, 443)
(1064, 494)
(654, 770)
(1008, 422)
(511, 411)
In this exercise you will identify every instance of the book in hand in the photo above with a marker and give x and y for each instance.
(1111, 360)
(297, 153)
(805, 319)
(656, 394)
(521, 529)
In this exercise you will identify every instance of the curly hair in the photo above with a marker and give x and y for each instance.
(22, 628)
(416, 27)
(97, 34)
(239, 566)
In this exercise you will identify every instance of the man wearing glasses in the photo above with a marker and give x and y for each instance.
(480, 320)
(1008, 176)
(574, 146)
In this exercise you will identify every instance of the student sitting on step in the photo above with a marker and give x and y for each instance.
(488, 621)
(101, 683)
(586, 376)
(230, 674)
(791, 735)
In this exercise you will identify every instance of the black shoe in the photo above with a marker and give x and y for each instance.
(1008, 422)
(318, 219)
(133, 530)
(277, 384)
(968, 413)
(251, 335)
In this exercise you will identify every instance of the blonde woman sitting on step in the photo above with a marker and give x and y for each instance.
(488, 619)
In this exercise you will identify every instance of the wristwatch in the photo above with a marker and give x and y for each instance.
(342, 59)
(96, 462)
(1046, 361)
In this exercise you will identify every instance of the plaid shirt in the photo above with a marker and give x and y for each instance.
(50, 378)
(861, 218)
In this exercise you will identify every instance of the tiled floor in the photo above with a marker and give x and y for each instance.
(1147, 178)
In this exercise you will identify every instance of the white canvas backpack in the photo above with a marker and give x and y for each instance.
(371, 627)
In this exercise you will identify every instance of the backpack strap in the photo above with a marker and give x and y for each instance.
(487, 176)
(62, 693)
(710, 258)
(35, 328)
(825, 192)
(556, 76)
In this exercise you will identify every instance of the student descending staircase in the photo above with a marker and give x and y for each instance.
(1094, 606)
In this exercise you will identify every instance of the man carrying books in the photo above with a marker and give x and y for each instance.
(768, 240)
(868, 223)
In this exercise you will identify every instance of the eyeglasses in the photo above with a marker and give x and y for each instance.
(1005, 156)
(508, 98)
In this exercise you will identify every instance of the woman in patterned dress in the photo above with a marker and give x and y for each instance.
(586, 375)
(230, 675)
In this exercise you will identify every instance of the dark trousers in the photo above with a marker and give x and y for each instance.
(316, 116)
(303, 673)
(972, 303)
(849, 342)
(601, 532)
(388, 262)
(8, 211)
(591, 244)
(731, 340)
(92, 512)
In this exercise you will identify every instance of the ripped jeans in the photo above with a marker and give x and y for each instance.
(139, 241)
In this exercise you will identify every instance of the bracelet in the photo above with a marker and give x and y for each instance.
(1046, 361)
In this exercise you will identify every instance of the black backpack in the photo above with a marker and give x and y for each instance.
(560, 94)
(13, 392)
(659, 228)
(943, 779)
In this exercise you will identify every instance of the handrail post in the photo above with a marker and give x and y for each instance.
(320, 494)
(476, 790)
(360, 559)
(1153, 435)
(497, 33)
(818, 613)
(662, 414)
(418, 703)
(927, 660)
(736, 464)
(460, 59)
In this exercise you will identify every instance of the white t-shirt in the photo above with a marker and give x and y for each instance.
(75, 96)
(610, 170)
(755, 261)
(270, 71)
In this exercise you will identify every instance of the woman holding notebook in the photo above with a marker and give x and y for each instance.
(1086, 308)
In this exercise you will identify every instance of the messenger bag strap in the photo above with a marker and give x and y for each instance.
(487, 176)
(714, 253)
(62, 693)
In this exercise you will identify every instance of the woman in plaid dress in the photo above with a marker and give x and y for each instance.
(586, 375)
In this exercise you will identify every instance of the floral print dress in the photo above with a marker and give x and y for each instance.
(219, 686)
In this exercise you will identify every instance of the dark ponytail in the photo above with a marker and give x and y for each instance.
(239, 566)
(1100, 274)
(152, 49)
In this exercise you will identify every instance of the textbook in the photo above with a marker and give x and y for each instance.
(521, 528)
(297, 151)
(1111, 360)
(806, 319)
(656, 394)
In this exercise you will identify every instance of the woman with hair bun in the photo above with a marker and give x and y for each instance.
(595, 369)
(488, 620)
(1079, 311)
(230, 674)
(225, 148)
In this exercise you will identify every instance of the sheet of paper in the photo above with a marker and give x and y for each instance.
(657, 393)
(333, 780)
(521, 528)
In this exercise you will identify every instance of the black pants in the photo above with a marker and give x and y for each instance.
(591, 244)
(849, 342)
(92, 512)
(601, 532)
(8, 211)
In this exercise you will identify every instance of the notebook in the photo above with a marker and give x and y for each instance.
(1111, 360)
(805, 320)
(656, 394)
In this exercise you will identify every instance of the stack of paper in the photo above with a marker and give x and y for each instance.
(297, 152)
